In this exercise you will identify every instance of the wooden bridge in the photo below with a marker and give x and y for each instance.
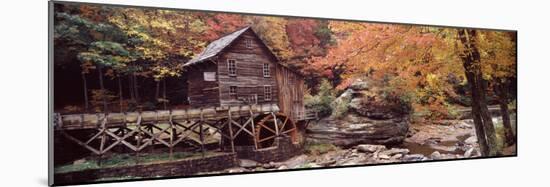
(256, 125)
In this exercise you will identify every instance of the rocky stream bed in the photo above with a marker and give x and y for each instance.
(375, 131)
(369, 128)
(426, 142)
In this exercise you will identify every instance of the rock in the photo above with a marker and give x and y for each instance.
(396, 156)
(369, 106)
(268, 166)
(359, 85)
(464, 125)
(469, 152)
(447, 156)
(313, 165)
(411, 132)
(370, 117)
(368, 148)
(236, 170)
(282, 167)
(356, 103)
(383, 155)
(433, 140)
(414, 157)
(350, 163)
(358, 126)
(276, 164)
(79, 161)
(353, 119)
(471, 140)
(327, 163)
(444, 122)
(435, 155)
(245, 163)
(344, 134)
(394, 151)
(344, 97)
(296, 161)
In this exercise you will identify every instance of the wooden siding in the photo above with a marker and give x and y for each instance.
(249, 79)
(203, 93)
(291, 92)
(287, 87)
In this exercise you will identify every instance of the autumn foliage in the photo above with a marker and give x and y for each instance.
(418, 64)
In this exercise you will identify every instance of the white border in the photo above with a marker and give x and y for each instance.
(24, 92)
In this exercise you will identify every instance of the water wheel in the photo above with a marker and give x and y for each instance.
(268, 126)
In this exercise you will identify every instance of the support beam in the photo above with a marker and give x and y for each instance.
(276, 125)
(230, 123)
(171, 136)
(253, 130)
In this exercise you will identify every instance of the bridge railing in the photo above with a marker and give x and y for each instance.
(308, 114)
(84, 121)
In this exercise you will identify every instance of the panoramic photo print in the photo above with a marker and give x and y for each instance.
(147, 93)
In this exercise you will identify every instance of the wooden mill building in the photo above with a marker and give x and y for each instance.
(239, 69)
(237, 88)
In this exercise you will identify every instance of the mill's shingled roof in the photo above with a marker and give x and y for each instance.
(217, 46)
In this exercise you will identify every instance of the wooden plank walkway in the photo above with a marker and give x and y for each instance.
(93, 121)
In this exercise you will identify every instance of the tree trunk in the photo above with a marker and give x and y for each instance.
(85, 85)
(120, 93)
(508, 133)
(157, 91)
(485, 130)
(502, 91)
(485, 114)
(103, 91)
(136, 90)
(130, 89)
(476, 115)
(164, 93)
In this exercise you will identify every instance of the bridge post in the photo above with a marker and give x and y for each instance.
(230, 123)
(201, 136)
(171, 123)
(103, 138)
(253, 129)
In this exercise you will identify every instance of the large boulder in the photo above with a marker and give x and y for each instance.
(367, 118)
(369, 148)
(372, 104)
(245, 163)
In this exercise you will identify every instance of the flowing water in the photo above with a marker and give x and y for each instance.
(448, 147)
(444, 147)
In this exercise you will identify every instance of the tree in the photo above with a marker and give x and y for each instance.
(105, 54)
(412, 63)
(79, 33)
(471, 60)
(163, 39)
(302, 37)
(220, 24)
(272, 30)
(499, 67)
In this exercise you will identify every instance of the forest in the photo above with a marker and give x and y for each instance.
(118, 59)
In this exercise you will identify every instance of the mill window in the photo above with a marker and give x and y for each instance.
(248, 43)
(267, 93)
(266, 71)
(232, 67)
(232, 90)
